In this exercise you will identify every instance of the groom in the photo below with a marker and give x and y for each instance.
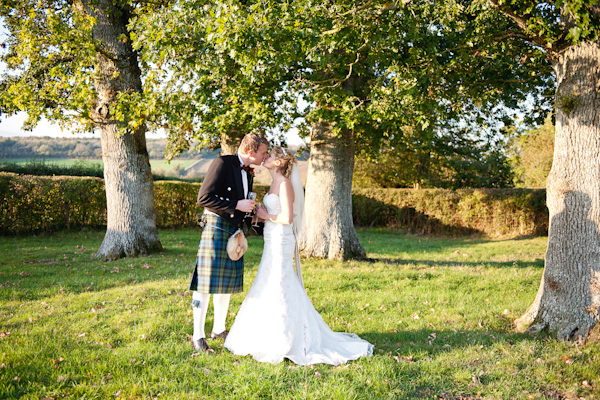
(223, 196)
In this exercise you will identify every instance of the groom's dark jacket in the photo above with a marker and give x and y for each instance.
(222, 188)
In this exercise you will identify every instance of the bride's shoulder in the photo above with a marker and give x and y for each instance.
(286, 189)
(281, 183)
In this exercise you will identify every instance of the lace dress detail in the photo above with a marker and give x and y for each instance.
(277, 319)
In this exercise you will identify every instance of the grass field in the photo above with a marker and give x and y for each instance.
(439, 311)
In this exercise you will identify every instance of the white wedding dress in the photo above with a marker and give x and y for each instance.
(277, 319)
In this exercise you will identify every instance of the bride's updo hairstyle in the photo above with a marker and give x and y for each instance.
(287, 159)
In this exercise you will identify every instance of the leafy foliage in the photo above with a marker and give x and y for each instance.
(450, 161)
(396, 75)
(199, 90)
(533, 154)
(49, 56)
(554, 25)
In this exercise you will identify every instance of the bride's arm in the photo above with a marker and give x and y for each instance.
(286, 197)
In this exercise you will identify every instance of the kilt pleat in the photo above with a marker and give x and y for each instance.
(215, 272)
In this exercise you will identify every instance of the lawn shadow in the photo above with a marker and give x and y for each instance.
(34, 275)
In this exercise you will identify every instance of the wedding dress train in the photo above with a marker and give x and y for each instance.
(277, 319)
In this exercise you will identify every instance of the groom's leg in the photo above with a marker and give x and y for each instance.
(221, 303)
(199, 310)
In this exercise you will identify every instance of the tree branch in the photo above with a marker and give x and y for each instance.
(521, 21)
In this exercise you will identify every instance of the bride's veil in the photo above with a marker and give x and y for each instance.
(298, 216)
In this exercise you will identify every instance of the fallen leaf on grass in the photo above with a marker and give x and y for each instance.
(567, 360)
(4, 334)
(404, 359)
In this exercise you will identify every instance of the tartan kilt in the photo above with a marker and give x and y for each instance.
(215, 272)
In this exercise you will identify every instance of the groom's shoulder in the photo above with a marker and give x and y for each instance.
(222, 161)
(228, 159)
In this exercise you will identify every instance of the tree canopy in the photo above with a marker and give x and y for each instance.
(415, 70)
(386, 71)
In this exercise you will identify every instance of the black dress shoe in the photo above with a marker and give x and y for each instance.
(201, 346)
(222, 335)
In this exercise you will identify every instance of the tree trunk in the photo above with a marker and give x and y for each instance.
(329, 230)
(131, 218)
(230, 141)
(569, 295)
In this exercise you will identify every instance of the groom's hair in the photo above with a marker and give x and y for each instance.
(252, 141)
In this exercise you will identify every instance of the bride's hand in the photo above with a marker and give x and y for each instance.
(261, 212)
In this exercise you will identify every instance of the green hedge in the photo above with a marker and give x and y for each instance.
(175, 203)
(492, 212)
(36, 203)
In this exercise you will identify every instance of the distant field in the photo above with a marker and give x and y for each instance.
(58, 161)
(168, 166)
(164, 165)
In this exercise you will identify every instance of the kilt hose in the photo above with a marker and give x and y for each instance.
(215, 272)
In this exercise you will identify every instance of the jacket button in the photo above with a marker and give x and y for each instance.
(229, 189)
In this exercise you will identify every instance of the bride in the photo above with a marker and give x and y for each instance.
(277, 319)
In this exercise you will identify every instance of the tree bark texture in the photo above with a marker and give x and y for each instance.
(568, 298)
(329, 231)
(131, 217)
(230, 141)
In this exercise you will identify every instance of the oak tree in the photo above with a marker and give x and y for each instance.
(72, 62)
(568, 298)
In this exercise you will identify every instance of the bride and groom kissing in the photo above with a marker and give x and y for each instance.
(276, 319)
